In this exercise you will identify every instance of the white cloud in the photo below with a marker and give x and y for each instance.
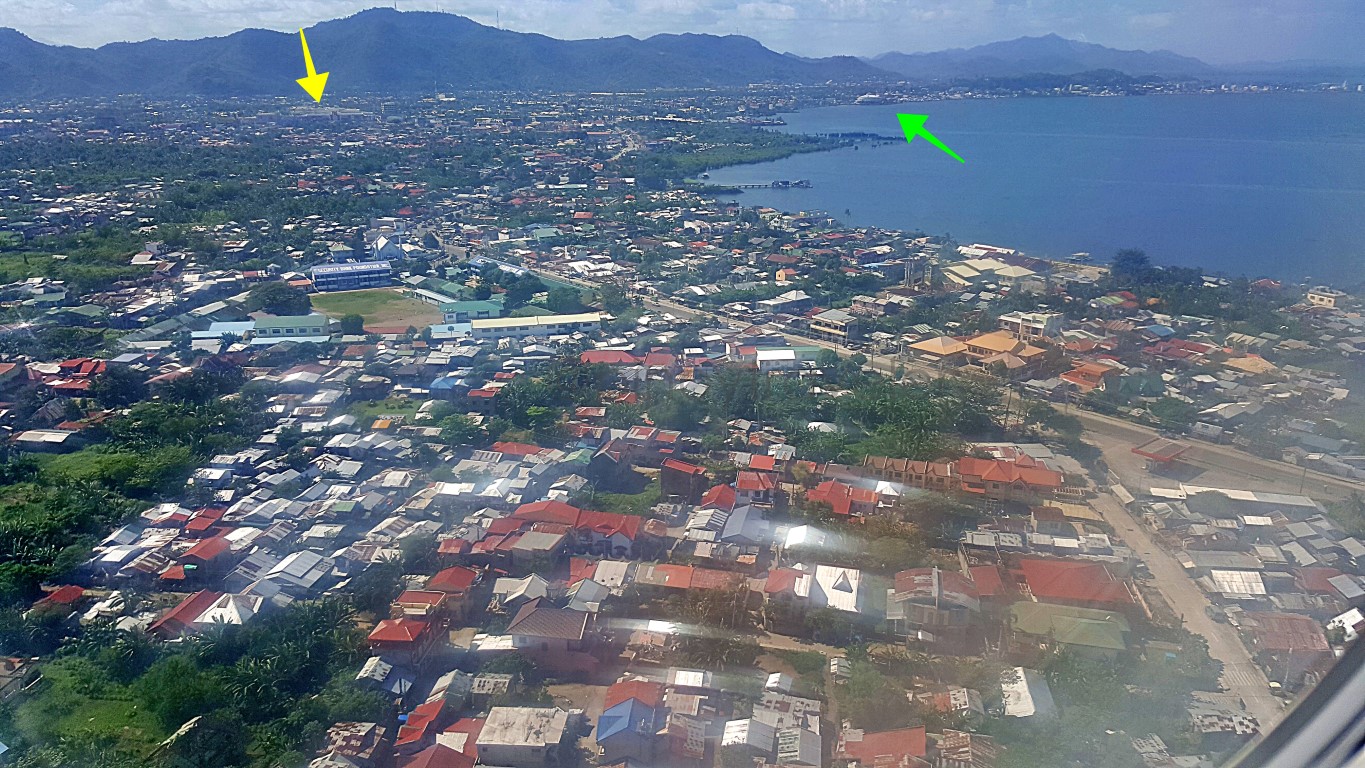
(766, 10)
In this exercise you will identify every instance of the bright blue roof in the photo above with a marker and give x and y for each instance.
(447, 382)
(625, 718)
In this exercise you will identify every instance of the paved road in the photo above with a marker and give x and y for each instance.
(1227, 464)
(1241, 676)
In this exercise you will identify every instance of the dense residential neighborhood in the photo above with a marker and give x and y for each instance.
(522, 452)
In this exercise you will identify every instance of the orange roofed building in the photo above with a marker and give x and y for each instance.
(406, 641)
(1001, 352)
(1022, 479)
(900, 748)
(1077, 583)
(1088, 377)
(845, 500)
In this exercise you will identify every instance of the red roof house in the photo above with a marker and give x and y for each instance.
(608, 530)
(420, 728)
(66, 595)
(580, 569)
(647, 692)
(1000, 479)
(455, 580)
(608, 357)
(406, 640)
(1066, 582)
(755, 487)
(177, 620)
(844, 499)
(901, 748)
(719, 497)
(548, 511)
(682, 479)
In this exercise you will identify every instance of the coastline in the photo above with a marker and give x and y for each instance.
(1194, 192)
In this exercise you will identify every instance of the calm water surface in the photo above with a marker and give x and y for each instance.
(1254, 184)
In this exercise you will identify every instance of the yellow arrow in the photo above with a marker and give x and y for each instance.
(316, 82)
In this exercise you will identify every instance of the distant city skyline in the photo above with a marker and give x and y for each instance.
(1217, 31)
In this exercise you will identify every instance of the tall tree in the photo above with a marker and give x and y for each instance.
(118, 387)
(352, 324)
(279, 298)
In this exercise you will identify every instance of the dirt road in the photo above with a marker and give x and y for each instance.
(1241, 676)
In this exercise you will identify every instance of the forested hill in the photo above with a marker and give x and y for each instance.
(384, 50)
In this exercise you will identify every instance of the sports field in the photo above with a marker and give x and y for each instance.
(382, 308)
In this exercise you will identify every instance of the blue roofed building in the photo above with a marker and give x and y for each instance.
(627, 730)
(353, 276)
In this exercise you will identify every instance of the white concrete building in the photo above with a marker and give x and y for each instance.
(524, 737)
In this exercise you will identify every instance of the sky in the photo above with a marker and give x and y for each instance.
(1218, 31)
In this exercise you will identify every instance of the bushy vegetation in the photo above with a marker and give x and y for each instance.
(1103, 704)
(714, 145)
(266, 692)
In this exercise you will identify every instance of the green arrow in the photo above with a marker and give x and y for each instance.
(913, 125)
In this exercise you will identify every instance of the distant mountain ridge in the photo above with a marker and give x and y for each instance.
(1050, 54)
(415, 52)
(383, 50)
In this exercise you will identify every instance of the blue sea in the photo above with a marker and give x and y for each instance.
(1269, 184)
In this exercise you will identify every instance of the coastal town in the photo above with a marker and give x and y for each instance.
(484, 432)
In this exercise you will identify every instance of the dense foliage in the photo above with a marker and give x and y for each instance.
(265, 691)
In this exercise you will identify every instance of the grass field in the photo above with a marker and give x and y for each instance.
(73, 702)
(382, 308)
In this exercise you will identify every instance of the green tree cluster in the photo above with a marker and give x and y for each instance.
(278, 298)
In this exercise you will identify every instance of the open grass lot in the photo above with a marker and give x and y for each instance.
(385, 308)
(74, 701)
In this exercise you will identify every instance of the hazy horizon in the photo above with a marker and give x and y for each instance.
(1220, 32)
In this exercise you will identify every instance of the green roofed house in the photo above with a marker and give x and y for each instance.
(84, 314)
(473, 309)
(1095, 633)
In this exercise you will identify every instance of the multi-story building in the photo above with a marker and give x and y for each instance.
(1032, 325)
(350, 277)
(1322, 296)
(835, 325)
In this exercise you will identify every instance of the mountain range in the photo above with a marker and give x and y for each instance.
(387, 51)
(382, 50)
(1051, 54)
